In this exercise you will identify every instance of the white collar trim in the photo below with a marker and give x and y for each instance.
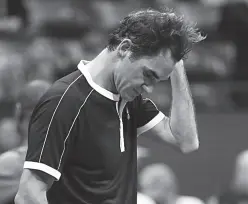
(99, 89)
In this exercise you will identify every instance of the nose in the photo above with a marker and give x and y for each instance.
(147, 89)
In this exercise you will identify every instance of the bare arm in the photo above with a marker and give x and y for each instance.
(182, 120)
(178, 130)
(10, 174)
(33, 187)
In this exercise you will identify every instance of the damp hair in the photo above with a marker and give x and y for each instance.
(152, 31)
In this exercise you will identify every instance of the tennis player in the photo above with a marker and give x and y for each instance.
(82, 145)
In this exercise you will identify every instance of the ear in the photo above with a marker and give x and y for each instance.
(124, 48)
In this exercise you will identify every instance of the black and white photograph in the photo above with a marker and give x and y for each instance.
(123, 101)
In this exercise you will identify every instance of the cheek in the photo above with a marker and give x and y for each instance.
(135, 79)
(124, 70)
(128, 76)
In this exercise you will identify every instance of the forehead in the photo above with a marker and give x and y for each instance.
(160, 63)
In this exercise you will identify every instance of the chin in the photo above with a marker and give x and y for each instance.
(131, 98)
(127, 98)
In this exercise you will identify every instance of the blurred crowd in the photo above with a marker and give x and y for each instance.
(159, 182)
(43, 40)
(46, 39)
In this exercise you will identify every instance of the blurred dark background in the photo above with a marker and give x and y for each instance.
(45, 39)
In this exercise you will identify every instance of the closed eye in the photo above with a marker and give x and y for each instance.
(155, 75)
(150, 74)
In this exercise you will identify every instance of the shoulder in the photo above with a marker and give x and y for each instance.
(65, 94)
(61, 104)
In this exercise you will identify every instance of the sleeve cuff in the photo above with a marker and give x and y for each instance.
(160, 116)
(42, 167)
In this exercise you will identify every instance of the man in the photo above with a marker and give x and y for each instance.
(237, 192)
(142, 152)
(11, 162)
(9, 137)
(159, 182)
(83, 133)
(233, 26)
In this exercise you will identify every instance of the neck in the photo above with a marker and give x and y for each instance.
(101, 69)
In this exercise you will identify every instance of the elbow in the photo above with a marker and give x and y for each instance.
(186, 139)
(189, 147)
(18, 199)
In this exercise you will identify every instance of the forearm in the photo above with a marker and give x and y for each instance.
(31, 189)
(182, 117)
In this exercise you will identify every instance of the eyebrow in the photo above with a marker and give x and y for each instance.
(154, 74)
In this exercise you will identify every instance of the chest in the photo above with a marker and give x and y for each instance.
(108, 137)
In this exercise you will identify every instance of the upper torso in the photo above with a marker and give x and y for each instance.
(95, 166)
(75, 135)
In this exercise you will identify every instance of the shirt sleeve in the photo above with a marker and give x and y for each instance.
(148, 116)
(51, 134)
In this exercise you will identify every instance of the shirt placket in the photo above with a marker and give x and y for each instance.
(120, 113)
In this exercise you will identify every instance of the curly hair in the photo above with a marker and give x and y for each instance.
(152, 31)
